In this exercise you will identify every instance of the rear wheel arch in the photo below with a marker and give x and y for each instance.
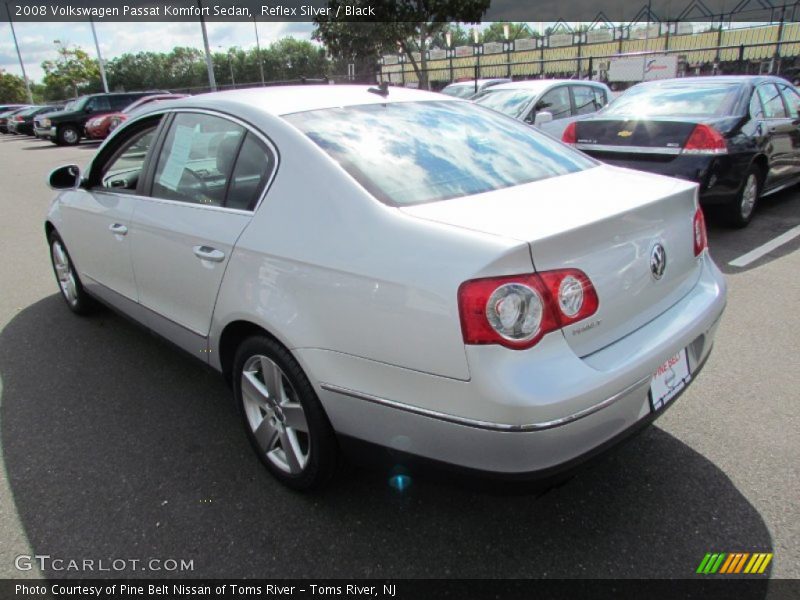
(762, 164)
(233, 334)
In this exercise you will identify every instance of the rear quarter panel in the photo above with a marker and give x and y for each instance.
(324, 265)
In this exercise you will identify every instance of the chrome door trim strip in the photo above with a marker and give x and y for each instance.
(487, 425)
(630, 149)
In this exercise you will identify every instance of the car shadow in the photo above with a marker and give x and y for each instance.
(116, 445)
(774, 215)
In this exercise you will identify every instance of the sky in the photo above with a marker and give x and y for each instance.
(36, 39)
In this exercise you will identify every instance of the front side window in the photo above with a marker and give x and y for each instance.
(556, 102)
(772, 101)
(408, 153)
(99, 104)
(122, 172)
(197, 158)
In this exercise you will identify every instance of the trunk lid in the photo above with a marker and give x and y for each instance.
(604, 221)
(664, 136)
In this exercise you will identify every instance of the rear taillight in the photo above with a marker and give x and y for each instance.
(699, 232)
(517, 311)
(19, 119)
(704, 139)
(570, 135)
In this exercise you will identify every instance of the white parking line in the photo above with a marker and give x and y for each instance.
(756, 253)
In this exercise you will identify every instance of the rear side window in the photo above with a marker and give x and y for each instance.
(119, 102)
(408, 153)
(587, 99)
(707, 99)
(792, 99)
(772, 101)
(253, 167)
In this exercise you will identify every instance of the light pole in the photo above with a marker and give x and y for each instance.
(258, 50)
(99, 57)
(507, 48)
(448, 38)
(212, 80)
(476, 50)
(19, 57)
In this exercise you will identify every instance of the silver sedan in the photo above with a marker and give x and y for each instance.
(410, 270)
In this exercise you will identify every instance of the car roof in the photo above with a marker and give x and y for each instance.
(540, 84)
(284, 100)
(471, 82)
(717, 79)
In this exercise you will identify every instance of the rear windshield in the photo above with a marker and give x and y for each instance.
(680, 100)
(408, 153)
(509, 102)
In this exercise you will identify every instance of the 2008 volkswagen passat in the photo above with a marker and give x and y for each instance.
(397, 267)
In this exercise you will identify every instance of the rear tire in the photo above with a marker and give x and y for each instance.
(282, 415)
(68, 135)
(740, 211)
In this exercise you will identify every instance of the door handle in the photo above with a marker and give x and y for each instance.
(118, 229)
(208, 253)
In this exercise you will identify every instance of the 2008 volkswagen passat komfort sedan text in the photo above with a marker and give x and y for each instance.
(411, 271)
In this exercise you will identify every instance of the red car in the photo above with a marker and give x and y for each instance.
(100, 126)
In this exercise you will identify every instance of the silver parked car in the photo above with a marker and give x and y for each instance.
(394, 266)
(549, 104)
(466, 89)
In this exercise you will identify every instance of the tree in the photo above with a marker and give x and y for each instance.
(12, 88)
(495, 32)
(73, 72)
(414, 24)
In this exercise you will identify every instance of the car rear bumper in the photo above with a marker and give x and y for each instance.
(41, 132)
(523, 412)
(719, 176)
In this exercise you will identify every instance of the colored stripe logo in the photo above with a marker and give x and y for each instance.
(733, 563)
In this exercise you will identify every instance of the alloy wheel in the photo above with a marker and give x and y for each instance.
(64, 273)
(275, 415)
(749, 196)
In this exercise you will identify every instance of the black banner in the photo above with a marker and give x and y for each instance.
(711, 588)
(604, 12)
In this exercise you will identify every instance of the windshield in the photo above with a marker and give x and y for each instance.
(408, 153)
(510, 102)
(77, 104)
(460, 91)
(711, 99)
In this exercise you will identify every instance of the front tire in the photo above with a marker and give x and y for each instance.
(68, 135)
(740, 211)
(69, 283)
(282, 415)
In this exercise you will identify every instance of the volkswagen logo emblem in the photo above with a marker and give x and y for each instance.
(658, 261)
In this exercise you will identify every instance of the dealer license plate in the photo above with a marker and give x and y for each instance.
(669, 379)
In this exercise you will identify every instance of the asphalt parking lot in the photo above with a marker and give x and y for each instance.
(115, 445)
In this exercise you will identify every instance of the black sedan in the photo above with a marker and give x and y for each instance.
(737, 136)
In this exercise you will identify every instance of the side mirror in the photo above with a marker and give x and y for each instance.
(542, 117)
(89, 109)
(67, 177)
